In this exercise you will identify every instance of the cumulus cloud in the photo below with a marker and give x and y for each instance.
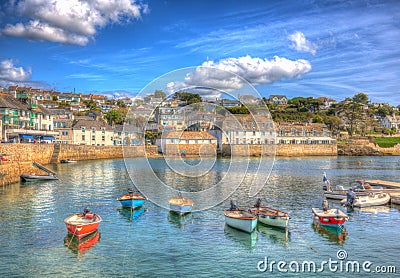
(300, 43)
(70, 21)
(231, 74)
(10, 73)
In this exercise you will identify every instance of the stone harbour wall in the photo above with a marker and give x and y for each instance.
(21, 156)
(280, 150)
(191, 149)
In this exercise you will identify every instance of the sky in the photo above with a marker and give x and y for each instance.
(118, 47)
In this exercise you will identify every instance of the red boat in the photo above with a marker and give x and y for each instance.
(330, 217)
(82, 244)
(82, 224)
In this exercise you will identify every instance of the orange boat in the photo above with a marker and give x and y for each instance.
(83, 224)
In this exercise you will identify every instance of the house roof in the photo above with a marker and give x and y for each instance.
(186, 135)
(91, 123)
(8, 101)
(277, 96)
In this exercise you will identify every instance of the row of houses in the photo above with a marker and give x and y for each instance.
(24, 121)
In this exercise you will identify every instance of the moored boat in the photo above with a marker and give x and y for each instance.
(83, 244)
(34, 177)
(270, 216)
(330, 217)
(82, 224)
(372, 199)
(132, 199)
(67, 161)
(240, 219)
(180, 205)
(395, 199)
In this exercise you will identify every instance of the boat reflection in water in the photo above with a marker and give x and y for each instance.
(338, 235)
(131, 214)
(180, 220)
(80, 246)
(276, 235)
(248, 240)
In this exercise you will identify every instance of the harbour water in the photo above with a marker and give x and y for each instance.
(151, 242)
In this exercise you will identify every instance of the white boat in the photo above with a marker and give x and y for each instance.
(241, 220)
(67, 161)
(395, 199)
(270, 216)
(372, 199)
(180, 205)
(34, 177)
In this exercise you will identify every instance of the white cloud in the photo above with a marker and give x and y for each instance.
(301, 44)
(70, 21)
(231, 74)
(9, 72)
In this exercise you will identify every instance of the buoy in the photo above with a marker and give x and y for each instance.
(370, 161)
(359, 163)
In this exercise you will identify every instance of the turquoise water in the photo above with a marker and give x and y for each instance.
(155, 243)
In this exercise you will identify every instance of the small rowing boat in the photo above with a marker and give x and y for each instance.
(33, 177)
(180, 205)
(270, 216)
(395, 199)
(82, 224)
(240, 219)
(132, 199)
(67, 161)
(372, 199)
(330, 217)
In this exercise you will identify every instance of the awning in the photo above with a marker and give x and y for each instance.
(51, 138)
(26, 136)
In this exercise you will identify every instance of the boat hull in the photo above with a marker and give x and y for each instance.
(395, 200)
(180, 209)
(367, 201)
(132, 203)
(246, 225)
(32, 178)
(275, 221)
(330, 218)
(80, 227)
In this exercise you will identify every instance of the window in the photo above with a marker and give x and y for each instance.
(93, 129)
(93, 137)
(83, 129)
(103, 138)
(83, 137)
(254, 133)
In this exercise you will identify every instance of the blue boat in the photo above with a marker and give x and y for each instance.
(132, 200)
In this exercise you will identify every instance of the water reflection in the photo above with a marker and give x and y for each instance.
(276, 235)
(80, 246)
(131, 215)
(337, 235)
(180, 220)
(248, 240)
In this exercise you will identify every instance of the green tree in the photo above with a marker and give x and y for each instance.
(188, 97)
(113, 117)
(152, 136)
(317, 119)
(160, 94)
(121, 104)
(360, 98)
(238, 110)
(89, 103)
(332, 122)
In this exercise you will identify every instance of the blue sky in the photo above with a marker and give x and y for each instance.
(296, 48)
